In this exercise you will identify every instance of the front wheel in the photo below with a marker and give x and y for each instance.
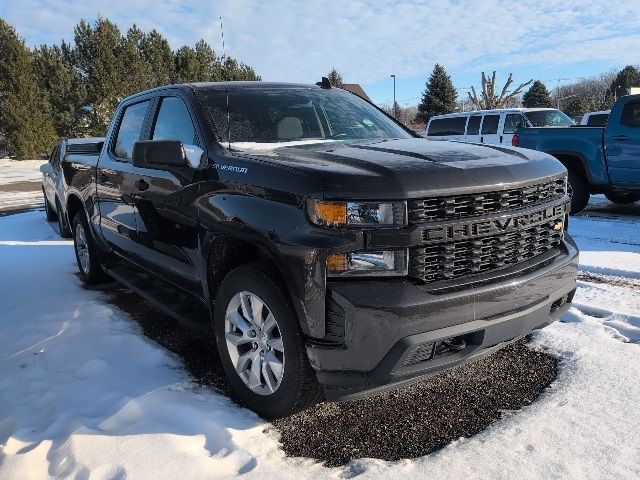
(260, 344)
(86, 251)
(578, 191)
(625, 198)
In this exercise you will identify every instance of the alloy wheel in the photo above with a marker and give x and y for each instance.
(254, 343)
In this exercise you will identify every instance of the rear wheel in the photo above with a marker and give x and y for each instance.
(625, 198)
(86, 251)
(50, 214)
(63, 224)
(578, 191)
(260, 344)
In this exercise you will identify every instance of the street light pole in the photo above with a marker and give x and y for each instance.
(395, 112)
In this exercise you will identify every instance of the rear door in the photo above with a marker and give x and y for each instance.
(622, 140)
(167, 229)
(489, 129)
(512, 121)
(115, 181)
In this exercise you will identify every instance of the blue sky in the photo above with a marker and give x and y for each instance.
(289, 40)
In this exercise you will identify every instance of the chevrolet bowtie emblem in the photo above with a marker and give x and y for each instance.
(558, 225)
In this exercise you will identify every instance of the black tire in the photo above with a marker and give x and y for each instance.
(63, 223)
(578, 191)
(626, 198)
(50, 214)
(299, 388)
(91, 272)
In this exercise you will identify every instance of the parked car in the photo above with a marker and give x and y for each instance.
(600, 160)
(53, 181)
(334, 254)
(493, 126)
(595, 119)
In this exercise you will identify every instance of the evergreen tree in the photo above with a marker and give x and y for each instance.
(439, 96)
(537, 96)
(62, 86)
(628, 77)
(335, 78)
(99, 56)
(576, 107)
(157, 54)
(186, 65)
(209, 66)
(25, 114)
(136, 72)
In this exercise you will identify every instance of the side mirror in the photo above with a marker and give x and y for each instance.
(151, 153)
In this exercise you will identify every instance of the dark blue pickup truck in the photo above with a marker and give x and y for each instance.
(599, 159)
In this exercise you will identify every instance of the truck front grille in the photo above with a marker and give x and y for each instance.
(460, 206)
(451, 260)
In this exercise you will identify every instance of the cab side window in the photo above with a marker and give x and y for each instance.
(54, 159)
(490, 124)
(473, 127)
(631, 114)
(174, 122)
(512, 121)
(130, 129)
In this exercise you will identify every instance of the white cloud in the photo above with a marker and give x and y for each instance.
(299, 41)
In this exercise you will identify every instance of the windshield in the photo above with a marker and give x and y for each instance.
(548, 118)
(278, 115)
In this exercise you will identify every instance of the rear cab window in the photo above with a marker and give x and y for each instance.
(129, 130)
(631, 114)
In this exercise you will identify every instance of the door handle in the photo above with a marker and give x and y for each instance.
(500, 138)
(102, 178)
(620, 138)
(141, 185)
(481, 139)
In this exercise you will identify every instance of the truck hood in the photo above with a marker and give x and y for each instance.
(412, 168)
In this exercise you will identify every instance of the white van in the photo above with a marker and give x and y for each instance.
(493, 126)
(595, 119)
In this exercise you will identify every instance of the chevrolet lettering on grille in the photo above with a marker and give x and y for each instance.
(505, 224)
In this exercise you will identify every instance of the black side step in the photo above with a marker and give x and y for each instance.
(181, 305)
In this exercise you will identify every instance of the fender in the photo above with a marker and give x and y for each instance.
(297, 249)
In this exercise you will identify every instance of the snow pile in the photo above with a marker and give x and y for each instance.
(83, 394)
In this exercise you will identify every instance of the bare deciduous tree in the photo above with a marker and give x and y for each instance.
(489, 99)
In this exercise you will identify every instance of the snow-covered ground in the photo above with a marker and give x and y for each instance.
(19, 170)
(20, 184)
(85, 395)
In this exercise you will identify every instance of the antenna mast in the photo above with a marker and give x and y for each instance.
(226, 84)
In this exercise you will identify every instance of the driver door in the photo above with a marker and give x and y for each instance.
(167, 230)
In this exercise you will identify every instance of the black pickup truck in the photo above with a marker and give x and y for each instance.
(333, 253)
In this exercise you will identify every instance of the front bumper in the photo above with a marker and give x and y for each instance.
(391, 328)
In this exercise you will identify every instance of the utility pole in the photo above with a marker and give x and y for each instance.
(395, 111)
(558, 90)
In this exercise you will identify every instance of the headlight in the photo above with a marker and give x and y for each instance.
(382, 263)
(363, 214)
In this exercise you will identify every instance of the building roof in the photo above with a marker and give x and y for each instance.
(357, 89)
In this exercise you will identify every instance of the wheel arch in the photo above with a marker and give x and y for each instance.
(574, 161)
(225, 252)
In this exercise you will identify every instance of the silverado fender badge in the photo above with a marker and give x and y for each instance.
(230, 168)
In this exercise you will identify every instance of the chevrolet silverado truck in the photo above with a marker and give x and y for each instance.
(599, 160)
(332, 252)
